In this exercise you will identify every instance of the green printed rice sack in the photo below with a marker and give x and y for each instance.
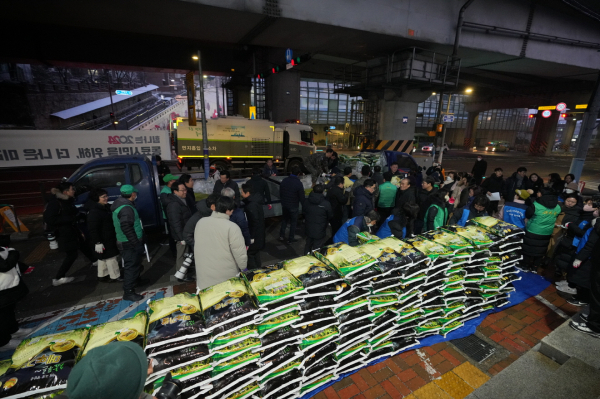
(233, 337)
(365, 236)
(350, 351)
(345, 259)
(476, 235)
(164, 362)
(174, 319)
(448, 239)
(319, 338)
(430, 248)
(451, 327)
(283, 320)
(192, 375)
(271, 286)
(232, 364)
(42, 364)
(497, 226)
(316, 383)
(245, 392)
(121, 330)
(405, 250)
(226, 302)
(387, 257)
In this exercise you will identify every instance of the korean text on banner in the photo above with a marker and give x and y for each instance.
(76, 147)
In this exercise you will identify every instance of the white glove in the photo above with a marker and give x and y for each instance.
(182, 242)
(323, 174)
(576, 263)
(99, 248)
(348, 189)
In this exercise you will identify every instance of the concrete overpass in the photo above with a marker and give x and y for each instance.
(510, 51)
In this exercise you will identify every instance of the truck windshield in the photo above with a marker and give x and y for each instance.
(307, 136)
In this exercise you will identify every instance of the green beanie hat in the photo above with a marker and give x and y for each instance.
(116, 370)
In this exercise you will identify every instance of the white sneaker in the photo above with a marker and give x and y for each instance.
(566, 289)
(22, 333)
(61, 281)
(95, 264)
(561, 282)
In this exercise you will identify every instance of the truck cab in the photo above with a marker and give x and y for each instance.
(298, 142)
(110, 173)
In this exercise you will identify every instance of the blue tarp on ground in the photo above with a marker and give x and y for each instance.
(529, 285)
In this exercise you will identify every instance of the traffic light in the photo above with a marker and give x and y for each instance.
(563, 115)
(531, 116)
(275, 69)
(300, 59)
(112, 115)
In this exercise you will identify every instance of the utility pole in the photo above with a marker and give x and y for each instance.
(587, 128)
(217, 81)
(203, 108)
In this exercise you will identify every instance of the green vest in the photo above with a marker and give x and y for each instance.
(137, 224)
(542, 221)
(164, 190)
(440, 218)
(387, 195)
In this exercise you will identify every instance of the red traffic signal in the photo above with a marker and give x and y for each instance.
(563, 115)
(531, 116)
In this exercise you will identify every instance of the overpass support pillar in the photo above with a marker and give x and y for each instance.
(283, 93)
(398, 113)
(568, 134)
(471, 130)
(544, 133)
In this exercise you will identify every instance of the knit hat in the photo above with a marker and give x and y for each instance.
(168, 178)
(128, 189)
(573, 186)
(116, 370)
(523, 194)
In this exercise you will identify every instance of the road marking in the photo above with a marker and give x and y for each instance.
(551, 306)
(40, 251)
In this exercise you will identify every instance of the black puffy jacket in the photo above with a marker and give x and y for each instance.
(60, 216)
(337, 197)
(256, 219)
(363, 201)
(291, 192)
(494, 184)
(190, 226)
(317, 211)
(178, 214)
(102, 229)
(260, 188)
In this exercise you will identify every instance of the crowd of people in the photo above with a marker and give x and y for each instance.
(560, 225)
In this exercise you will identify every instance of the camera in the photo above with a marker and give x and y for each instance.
(189, 258)
(170, 388)
(52, 240)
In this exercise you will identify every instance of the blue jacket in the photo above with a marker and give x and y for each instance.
(385, 231)
(291, 192)
(514, 213)
(239, 217)
(356, 224)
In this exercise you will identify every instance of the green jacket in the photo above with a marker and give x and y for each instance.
(387, 195)
(440, 217)
(542, 222)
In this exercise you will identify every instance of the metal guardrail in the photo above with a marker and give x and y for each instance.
(79, 87)
(163, 113)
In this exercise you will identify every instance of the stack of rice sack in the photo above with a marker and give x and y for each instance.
(40, 366)
(231, 315)
(177, 342)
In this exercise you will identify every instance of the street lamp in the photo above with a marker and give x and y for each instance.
(469, 90)
(203, 107)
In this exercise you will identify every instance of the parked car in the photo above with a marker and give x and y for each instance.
(427, 147)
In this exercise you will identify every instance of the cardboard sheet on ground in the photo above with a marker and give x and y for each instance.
(530, 285)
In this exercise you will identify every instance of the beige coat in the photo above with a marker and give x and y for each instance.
(219, 250)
